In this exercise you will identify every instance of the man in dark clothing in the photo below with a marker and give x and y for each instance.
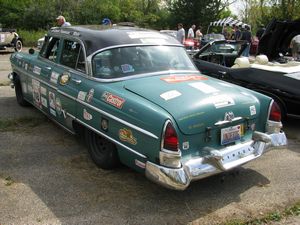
(260, 32)
(246, 36)
(236, 35)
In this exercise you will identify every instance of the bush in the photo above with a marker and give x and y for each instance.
(30, 38)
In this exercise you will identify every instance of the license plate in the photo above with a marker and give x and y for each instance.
(231, 134)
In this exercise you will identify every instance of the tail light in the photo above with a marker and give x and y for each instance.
(275, 112)
(170, 139)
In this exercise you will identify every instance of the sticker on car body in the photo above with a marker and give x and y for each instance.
(205, 88)
(36, 93)
(87, 115)
(127, 136)
(43, 91)
(52, 100)
(252, 110)
(81, 95)
(170, 95)
(145, 35)
(44, 102)
(54, 77)
(177, 79)
(90, 95)
(219, 101)
(113, 100)
(37, 70)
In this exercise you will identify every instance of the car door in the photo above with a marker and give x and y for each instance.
(68, 78)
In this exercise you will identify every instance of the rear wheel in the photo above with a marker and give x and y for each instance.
(18, 45)
(103, 152)
(19, 93)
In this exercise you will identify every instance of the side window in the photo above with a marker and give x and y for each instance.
(72, 55)
(50, 48)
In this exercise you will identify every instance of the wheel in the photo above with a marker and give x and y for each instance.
(18, 45)
(103, 152)
(19, 93)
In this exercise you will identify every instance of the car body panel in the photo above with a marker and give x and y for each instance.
(209, 117)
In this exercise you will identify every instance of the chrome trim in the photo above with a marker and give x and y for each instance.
(89, 58)
(119, 120)
(141, 75)
(111, 139)
(216, 161)
(220, 123)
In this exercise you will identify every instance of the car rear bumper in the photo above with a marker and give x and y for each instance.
(218, 161)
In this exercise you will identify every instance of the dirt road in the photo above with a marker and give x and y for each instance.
(47, 177)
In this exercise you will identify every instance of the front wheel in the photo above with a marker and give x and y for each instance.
(103, 152)
(18, 45)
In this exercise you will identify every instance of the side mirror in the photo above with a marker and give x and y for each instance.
(31, 51)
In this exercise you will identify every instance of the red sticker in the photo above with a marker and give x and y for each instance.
(114, 100)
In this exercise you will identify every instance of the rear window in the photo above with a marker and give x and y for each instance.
(128, 61)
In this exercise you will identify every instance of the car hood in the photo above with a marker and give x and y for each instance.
(277, 38)
(195, 101)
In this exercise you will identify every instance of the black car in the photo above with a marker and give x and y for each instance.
(273, 72)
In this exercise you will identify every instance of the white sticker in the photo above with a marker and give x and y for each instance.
(36, 93)
(170, 95)
(26, 66)
(44, 102)
(37, 70)
(87, 115)
(127, 68)
(225, 84)
(54, 77)
(205, 88)
(43, 91)
(81, 95)
(52, 100)
(252, 110)
(154, 41)
(185, 145)
(53, 112)
(219, 101)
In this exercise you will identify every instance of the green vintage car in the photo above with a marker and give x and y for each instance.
(138, 99)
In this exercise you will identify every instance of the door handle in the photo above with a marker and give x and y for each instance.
(76, 81)
(48, 68)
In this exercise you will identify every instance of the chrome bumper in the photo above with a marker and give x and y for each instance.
(217, 161)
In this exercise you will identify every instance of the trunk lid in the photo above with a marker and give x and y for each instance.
(196, 101)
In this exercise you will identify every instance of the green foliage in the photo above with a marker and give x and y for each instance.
(30, 38)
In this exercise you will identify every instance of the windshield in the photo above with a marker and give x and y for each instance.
(224, 47)
(128, 61)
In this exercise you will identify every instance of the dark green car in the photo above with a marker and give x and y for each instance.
(138, 99)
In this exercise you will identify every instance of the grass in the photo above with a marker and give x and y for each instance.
(17, 123)
(30, 38)
(270, 217)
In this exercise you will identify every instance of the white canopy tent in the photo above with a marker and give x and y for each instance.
(227, 22)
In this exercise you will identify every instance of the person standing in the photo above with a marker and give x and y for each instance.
(236, 35)
(191, 33)
(295, 47)
(61, 21)
(180, 33)
(199, 34)
(246, 36)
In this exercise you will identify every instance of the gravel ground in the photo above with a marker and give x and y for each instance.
(47, 177)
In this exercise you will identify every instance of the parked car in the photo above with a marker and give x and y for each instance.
(211, 37)
(274, 73)
(137, 98)
(10, 39)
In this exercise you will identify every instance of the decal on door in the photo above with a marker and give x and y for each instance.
(36, 93)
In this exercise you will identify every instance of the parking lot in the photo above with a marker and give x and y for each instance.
(47, 177)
